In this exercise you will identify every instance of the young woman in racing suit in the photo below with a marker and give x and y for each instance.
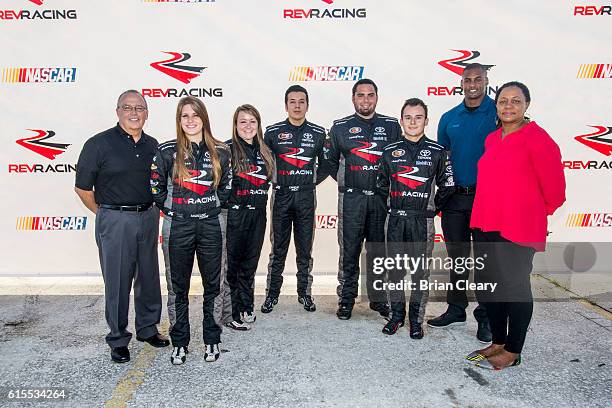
(252, 169)
(190, 179)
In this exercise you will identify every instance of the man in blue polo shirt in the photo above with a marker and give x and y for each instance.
(463, 130)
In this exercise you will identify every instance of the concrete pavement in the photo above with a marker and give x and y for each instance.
(295, 358)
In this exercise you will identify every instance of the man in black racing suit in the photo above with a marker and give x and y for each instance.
(409, 172)
(357, 142)
(297, 146)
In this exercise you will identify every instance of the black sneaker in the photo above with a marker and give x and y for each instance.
(344, 311)
(383, 308)
(416, 331)
(308, 303)
(446, 319)
(392, 326)
(238, 325)
(268, 305)
(484, 332)
(179, 355)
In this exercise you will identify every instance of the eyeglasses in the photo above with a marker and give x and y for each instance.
(137, 108)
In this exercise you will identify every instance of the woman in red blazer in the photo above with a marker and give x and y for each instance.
(520, 183)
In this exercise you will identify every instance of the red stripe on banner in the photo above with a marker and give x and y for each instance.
(22, 75)
(35, 223)
(598, 70)
(585, 220)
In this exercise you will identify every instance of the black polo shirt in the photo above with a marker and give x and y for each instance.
(117, 169)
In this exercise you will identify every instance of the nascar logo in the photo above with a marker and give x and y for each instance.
(51, 223)
(326, 73)
(285, 136)
(398, 153)
(589, 220)
(354, 130)
(42, 75)
(326, 221)
(594, 71)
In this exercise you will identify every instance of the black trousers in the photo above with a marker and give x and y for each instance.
(458, 235)
(127, 245)
(297, 209)
(360, 217)
(413, 236)
(245, 234)
(183, 239)
(510, 307)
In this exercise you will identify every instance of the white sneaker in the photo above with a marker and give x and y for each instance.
(248, 317)
(211, 352)
(179, 355)
(238, 325)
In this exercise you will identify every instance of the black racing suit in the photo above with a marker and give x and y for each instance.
(408, 176)
(191, 225)
(356, 147)
(246, 226)
(300, 165)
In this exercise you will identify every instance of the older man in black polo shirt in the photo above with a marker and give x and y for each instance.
(112, 180)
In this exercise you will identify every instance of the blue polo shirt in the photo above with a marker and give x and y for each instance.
(463, 132)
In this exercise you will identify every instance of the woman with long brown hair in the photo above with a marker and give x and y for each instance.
(190, 180)
(252, 167)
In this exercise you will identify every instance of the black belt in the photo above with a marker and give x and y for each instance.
(198, 216)
(412, 213)
(245, 207)
(355, 190)
(137, 208)
(469, 190)
(303, 187)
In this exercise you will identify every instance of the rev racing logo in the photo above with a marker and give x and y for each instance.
(331, 12)
(593, 10)
(409, 178)
(326, 73)
(253, 176)
(457, 65)
(40, 144)
(600, 141)
(38, 14)
(366, 151)
(177, 68)
(196, 183)
(293, 157)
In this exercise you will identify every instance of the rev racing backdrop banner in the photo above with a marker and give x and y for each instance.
(64, 62)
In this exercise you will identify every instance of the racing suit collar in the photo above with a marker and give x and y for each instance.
(368, 122)
(293, 127)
